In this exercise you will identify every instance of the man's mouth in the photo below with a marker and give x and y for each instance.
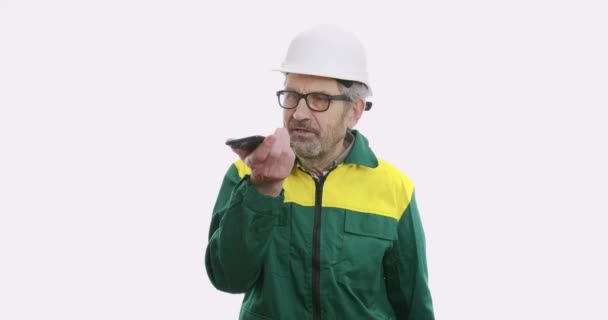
(302, 132)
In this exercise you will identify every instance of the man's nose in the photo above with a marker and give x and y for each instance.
(302, 111)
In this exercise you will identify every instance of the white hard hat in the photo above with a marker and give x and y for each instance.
(327, 51)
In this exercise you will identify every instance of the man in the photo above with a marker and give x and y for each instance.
(311, 225)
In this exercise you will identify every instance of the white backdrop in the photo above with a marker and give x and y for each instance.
(114, 115)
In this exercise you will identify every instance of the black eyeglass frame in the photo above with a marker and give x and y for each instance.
(340, 97)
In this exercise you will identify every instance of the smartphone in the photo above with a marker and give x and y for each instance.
(247, 143)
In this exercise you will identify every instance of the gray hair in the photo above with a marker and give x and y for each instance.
(354, 92)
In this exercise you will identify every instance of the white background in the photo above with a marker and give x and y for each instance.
(114, 113)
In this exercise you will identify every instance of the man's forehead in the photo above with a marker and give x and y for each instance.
(310, 82)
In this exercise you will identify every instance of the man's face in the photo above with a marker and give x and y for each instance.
(316, 135)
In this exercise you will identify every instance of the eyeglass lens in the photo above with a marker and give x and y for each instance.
(316, 101)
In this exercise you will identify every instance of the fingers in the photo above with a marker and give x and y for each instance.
(260, 154)
(286, 153)
(272, 160)
(276, 149)
(268, 156)
(282, 134)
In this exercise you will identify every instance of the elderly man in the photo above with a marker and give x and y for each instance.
(311, 225)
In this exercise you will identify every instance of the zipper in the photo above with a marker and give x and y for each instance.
(316, 250)
(316, 244)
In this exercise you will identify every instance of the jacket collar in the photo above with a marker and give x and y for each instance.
(361, 153)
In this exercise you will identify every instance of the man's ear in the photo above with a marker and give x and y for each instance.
(357, 110)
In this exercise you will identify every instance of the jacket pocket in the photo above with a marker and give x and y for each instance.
(371, 225)
(367, 237)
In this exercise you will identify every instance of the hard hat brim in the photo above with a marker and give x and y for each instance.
(318, 73)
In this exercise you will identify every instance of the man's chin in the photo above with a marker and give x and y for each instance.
(304, 150)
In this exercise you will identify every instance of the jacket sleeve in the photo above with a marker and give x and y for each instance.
(406, 271)
(240, 230)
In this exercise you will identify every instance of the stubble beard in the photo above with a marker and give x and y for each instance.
(315, 148)
(306, 148)
(318, 146)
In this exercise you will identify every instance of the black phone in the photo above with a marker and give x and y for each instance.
(247, 143)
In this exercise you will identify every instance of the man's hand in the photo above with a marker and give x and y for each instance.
(270, 163)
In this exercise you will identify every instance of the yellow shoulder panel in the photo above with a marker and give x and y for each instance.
(242, 168)
(299, 187)
(383, 190)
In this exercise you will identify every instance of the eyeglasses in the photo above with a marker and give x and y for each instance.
(316, 101)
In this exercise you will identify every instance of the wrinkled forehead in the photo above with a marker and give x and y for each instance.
(304, 83)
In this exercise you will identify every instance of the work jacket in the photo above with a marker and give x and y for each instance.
(349, 245)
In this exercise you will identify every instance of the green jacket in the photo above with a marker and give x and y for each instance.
(349, 246)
